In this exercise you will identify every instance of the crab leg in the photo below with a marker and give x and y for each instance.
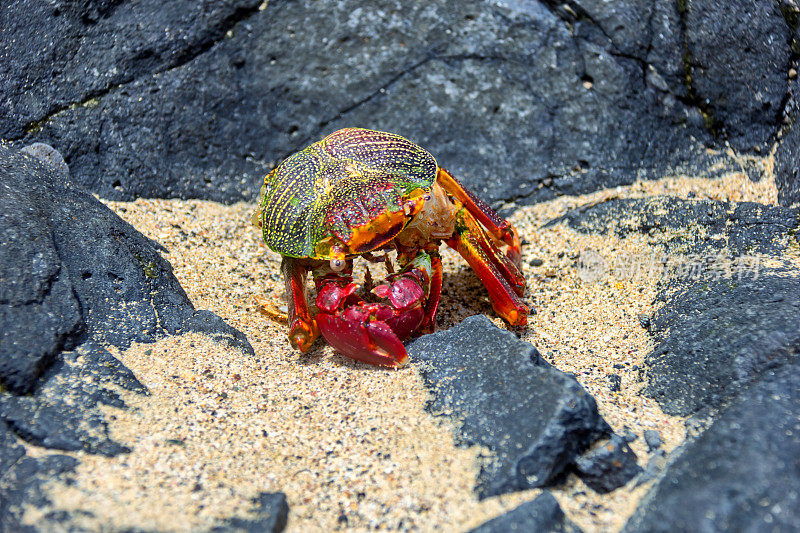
(303, 329)
(434, 293)
(501, 229)
(479, 251)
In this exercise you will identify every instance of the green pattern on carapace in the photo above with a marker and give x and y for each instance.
(343, 181)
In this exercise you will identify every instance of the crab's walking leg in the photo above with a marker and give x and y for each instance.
(501, 229)
(434, 293)
(303, 329)
(475, 247)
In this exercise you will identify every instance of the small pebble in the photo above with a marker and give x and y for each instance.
(652, 438)
(49, 156)
(644, 320)
(614, 382)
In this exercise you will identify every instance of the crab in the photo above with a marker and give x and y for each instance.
(362, 193)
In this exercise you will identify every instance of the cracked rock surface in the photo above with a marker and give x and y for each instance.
(534, 419)
(522, 100)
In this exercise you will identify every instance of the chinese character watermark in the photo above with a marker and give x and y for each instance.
(592, 267)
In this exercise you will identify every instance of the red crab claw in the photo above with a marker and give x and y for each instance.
(372, 332)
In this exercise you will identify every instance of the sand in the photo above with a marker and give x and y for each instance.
(351, 445)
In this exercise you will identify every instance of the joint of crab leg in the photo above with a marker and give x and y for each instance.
(508, 268)
(499, 228)
(302, 334)
(303, 329)
(428, 324)
(470, 242)
(511, 238)
(333, 291)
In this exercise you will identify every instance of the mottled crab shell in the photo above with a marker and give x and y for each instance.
(357, 187)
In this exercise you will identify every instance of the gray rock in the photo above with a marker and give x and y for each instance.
(39, 313)
(727, 43)
(271, 512)
(542, 514)
(522, 100)
(741, 474)
(652, 438)
(787, 168)
(22, 487)
(738, 228)
(787, 156)
(49, 156)
(716, 337)
(64, 412)
(608, 465)
(535, 419)
(614, 382)
(10, 450)
(61, 53)
(715, 333)
(76, 277)
(629, 435)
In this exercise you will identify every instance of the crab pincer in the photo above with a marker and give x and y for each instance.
(372, 331)
(357, 192)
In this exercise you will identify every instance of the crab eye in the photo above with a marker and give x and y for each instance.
(427, 197)
(337, 265)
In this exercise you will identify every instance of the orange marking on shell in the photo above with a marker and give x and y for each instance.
(384, 227)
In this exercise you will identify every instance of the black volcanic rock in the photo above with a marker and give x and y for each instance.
(740, 228)
(60, 53)
(73, 278)
(10, 450)
(535, 419)
(271, 514)
(608, 465)
(716, 337)
(742, 473)
(76, 276)
(726, 43)
(787, 156)
(522, 100)
(716, 331)
(542, 514)
(652, 438)
(787, 171)
(21, 486)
